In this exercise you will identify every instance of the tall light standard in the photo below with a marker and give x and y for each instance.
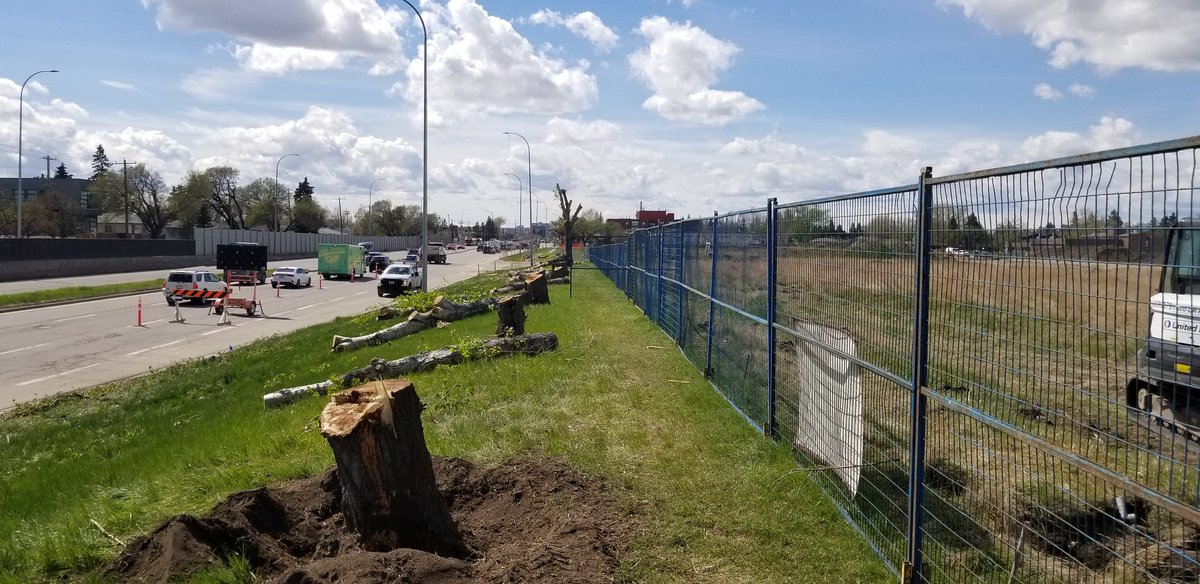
(20, 132)
(529, 171)
(371, 192)
(520, 191)
(424, 148)
(276, 205)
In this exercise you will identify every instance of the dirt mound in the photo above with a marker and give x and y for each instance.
(529, 520)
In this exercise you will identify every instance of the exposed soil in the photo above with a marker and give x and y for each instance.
(529, 520)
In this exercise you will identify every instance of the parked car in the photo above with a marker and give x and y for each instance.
(377, 262)
(191, 285)
(291, 276)
(398, 279)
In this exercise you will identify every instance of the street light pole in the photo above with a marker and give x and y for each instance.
(529, 170)
(20, 135)
(371, 192)
(520, 191)
(276, 205)
(424, 148)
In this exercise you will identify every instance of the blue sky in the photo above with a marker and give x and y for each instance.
(690, 106)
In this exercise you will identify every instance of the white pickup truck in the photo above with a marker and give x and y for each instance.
(398, 279)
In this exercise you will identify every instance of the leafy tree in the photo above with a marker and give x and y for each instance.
(303, 191)
(490, 229)
(1114, 219)
(61, 171)
(146, 194)
(263, 205)
(803, 224)
(219, 185)
(100, 163)
(308, 216)
(52, 213)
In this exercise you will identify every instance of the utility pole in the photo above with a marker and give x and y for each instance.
(341, 218)
(125, 183)
(48, 158)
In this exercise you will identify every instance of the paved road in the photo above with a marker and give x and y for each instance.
(48, 350)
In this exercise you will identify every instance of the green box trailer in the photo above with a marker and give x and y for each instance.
(340, 259)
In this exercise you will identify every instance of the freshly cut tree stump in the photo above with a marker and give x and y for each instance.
(512, 316)
(389, 496)
(536, 291)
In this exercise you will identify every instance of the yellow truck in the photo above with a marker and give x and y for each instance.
(340, 259)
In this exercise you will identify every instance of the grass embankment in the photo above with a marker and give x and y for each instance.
(716, 502)
(75, 293)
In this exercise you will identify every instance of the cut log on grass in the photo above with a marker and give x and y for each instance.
(443, 310)
(562, 280)
(512, 317)
(384, 369)
(536, 291)
(389, 496)
(291, 394)
(389, 312)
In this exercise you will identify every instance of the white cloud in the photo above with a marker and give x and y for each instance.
(585, 25)
(1158, 35)
(1107, 134)
(572, 131)
(277, 60)
(679, 64)
(1081, 90)
(283, 35)
(884, 143)
(120, 85)
(480, 65)
(1045, 91)
(216, 84)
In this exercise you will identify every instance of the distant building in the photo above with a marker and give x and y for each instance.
(627, 224)
(646, 218)
(86, 208)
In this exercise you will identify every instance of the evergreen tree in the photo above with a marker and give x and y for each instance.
(61, 171)
(1114, 219)
(100, 163)
(304, 191)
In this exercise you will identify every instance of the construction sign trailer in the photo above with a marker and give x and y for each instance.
(340, 259)
(250, 305)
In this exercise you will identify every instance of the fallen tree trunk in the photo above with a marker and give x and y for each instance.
(389, 495)
(443, 310)
(384, 369)
(562, 280)
(291, 394)
(388, 312)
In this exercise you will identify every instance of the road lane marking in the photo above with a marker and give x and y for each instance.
(175, 342)
(147, 323)
(74, 317)
(24, 349)
(23, 383)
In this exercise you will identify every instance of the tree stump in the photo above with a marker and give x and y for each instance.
(389, 497)
(536, 290)
(512, 316)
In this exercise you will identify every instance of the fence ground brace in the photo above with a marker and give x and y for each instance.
(989, 374)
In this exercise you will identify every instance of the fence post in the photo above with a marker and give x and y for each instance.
(659, 298)
(920, 372)
(772, 258)
(712, 297)
(679, 278)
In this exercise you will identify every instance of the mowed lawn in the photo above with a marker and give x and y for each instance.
(714, 500)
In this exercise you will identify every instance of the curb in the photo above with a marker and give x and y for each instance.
(18, 307)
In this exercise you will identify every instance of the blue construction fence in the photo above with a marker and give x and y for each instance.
(989, 374)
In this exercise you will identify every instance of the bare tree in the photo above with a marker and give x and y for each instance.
(219, 184)
(568, 220)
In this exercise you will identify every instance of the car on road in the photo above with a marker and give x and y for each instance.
(293, 276)
(196, 286)
(377, 262)
(398, 279)
(413, 257)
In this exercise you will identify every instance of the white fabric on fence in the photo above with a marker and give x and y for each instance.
(830, 427)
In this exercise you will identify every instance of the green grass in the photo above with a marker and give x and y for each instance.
(76, 293)
(717, 502)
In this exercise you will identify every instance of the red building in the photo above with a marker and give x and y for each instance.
(653, 218)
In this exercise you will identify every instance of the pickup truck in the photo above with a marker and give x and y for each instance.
(398, 279)
(436, 253)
